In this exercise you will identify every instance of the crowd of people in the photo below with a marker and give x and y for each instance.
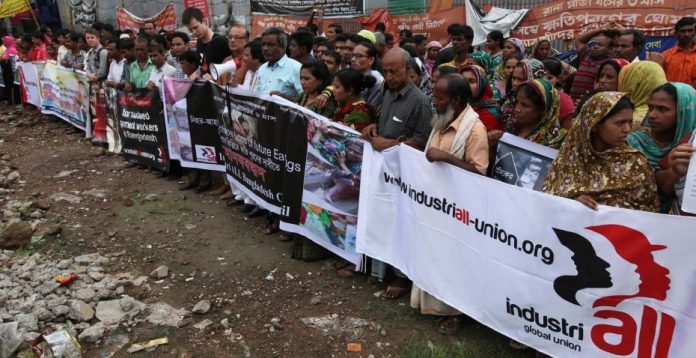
(622, 125)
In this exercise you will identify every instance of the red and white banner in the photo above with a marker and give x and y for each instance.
(201, 5)
(546, 271)
(29, 83)
(165, 19)
(566, 19)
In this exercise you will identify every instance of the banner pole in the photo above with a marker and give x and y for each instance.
(36, 21)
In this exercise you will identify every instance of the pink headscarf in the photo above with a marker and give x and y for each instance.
(10, 48)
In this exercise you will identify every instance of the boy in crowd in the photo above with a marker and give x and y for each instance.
(189, 63)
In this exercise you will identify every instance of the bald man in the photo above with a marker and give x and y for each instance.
(405, 118)
(406, 112)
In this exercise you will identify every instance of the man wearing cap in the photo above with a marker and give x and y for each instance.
(431, 54)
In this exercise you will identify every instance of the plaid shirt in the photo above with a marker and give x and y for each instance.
(405, 114)
(75, 60)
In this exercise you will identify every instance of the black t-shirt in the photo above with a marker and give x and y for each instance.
(215, 51)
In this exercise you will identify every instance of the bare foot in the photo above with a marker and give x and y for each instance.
(399, 287)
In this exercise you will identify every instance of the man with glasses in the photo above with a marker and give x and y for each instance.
(363, 60)
(237, 38)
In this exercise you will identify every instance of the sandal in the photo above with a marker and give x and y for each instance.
(450, 325)
(395, 290)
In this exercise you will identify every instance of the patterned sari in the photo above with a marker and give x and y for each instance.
(619, 176)
(685, 125)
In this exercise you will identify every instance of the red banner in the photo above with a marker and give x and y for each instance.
(288, 24)
(566, 19)
(432, 24)
(201, 5)
(165, 19)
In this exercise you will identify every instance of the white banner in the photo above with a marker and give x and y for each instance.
(497, 18)
(29, 82)
(545, 271)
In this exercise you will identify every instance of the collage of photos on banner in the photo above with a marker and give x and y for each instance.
(177, 119)
(332, 183)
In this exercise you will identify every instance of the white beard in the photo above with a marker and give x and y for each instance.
(442, 120)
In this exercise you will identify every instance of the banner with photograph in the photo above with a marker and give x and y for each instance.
(142, 129)
(29, 83)
(265, 146)
(521, 162)
(331, 8)
(164, 20)
(329, 214)
(584, 283)
(64, 94)
(205, 103)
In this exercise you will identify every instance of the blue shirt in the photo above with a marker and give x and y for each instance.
(283, 76)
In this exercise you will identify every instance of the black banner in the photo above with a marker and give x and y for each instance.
(265, 147)
(206, 103)
(142, 130)
(331, 8)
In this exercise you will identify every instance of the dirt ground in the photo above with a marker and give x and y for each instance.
(213, 252)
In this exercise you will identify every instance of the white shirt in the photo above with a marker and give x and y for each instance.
(116, 71)
(62, 50)
(157, 74)
(249, 80)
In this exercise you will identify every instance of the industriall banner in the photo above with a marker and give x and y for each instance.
(564, 279)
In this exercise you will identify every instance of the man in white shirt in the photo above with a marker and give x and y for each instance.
(115, 77)
(162, 68)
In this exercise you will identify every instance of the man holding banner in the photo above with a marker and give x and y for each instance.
(405, 118)
(458, 138)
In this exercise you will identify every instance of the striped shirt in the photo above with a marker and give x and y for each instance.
(405, 114)
(586, 74)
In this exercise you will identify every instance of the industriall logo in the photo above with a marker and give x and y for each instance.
(637, 335)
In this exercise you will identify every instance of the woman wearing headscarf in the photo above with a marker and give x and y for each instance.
(482, 98)
(608, 74)
(483, 60)
(639, 80)
(542, 50)
(537, 110)
(526, 70)
(672, 120)
(513, 48)
(596, 166)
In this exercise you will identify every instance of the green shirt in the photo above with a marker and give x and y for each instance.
(140, 77)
